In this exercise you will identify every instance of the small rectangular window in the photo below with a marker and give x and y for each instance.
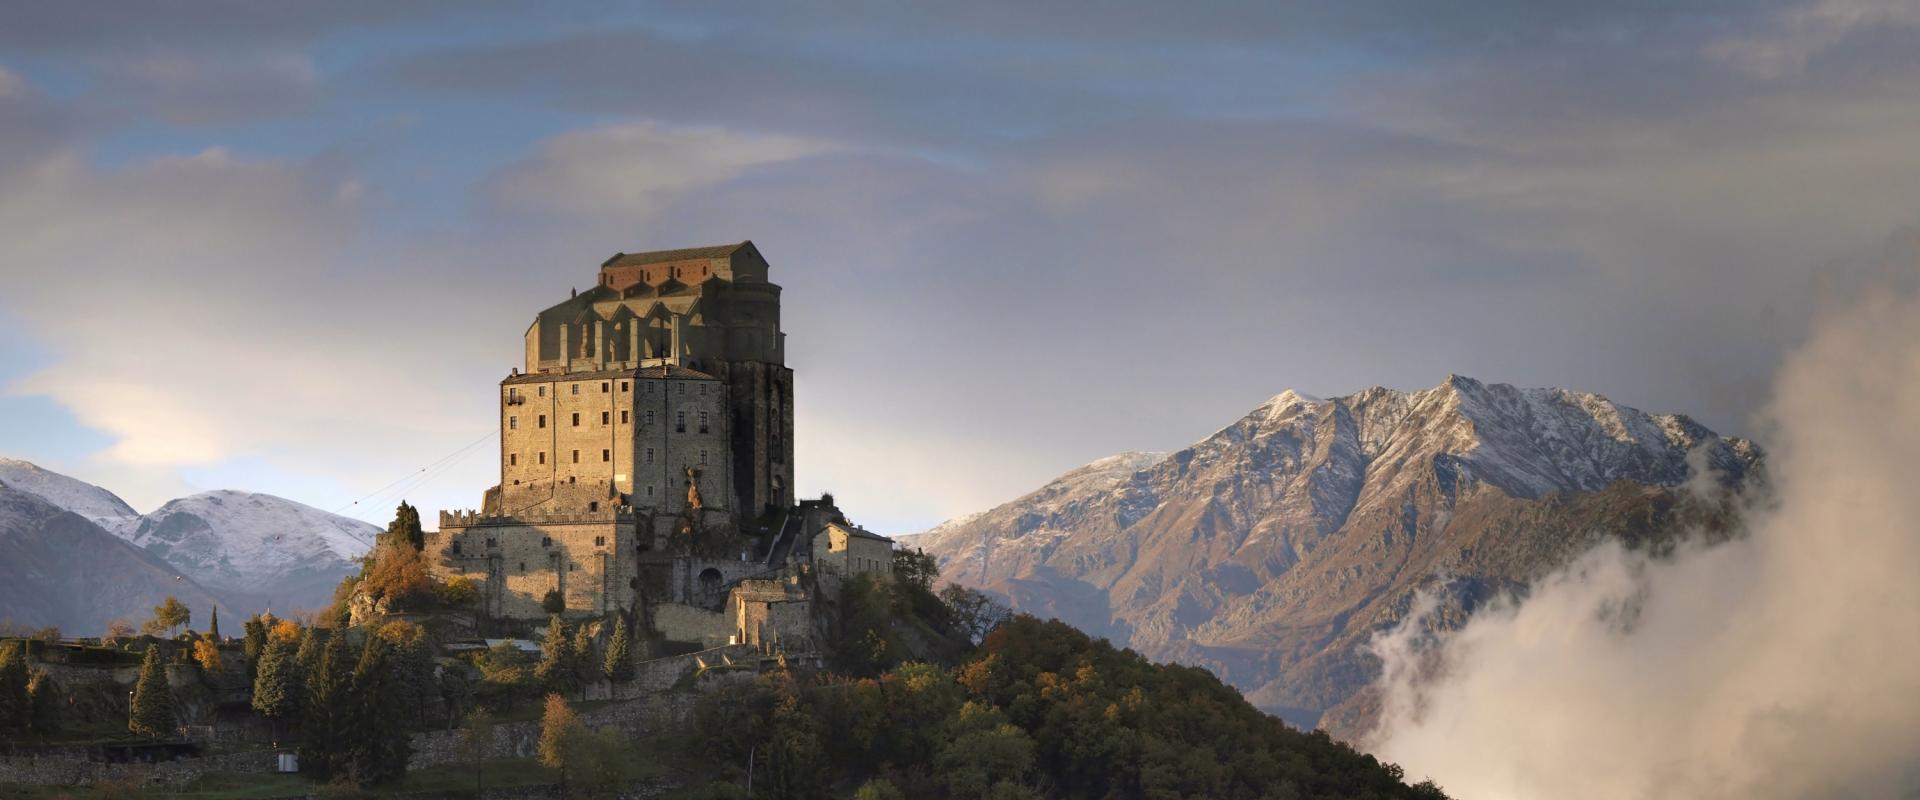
(679, 422)
(606, 455)
(649, 457)
(683, 388)
(605, 387)
(546, 541)
(543, 420)
(703, 422)
(703, 458)
(649, 417)
(576, 419)
(543, 456)
(623, 386)
(649, 491)
(703, 388)
(606, 417)
(576, 456)
(623, 416)
(599, 541)
(513, 459)
(513, 423)
(543, 391)
(575, 387)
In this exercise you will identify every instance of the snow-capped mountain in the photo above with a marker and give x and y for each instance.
(256, 548)
(1271, 549)
(253, 551)
(98, 505)
(59, 568)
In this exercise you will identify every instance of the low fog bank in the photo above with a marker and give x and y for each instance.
(1785, 664)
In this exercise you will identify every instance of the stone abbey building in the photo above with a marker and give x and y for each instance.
(646, 459)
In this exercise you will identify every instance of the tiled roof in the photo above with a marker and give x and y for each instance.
(663, 256)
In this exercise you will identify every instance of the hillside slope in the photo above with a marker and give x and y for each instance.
(1269, 551)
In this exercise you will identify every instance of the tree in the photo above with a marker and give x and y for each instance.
(916, 567)
(412, 667)
(380, 745)
(459, 591)
(253, 644)
(16, 710)
(152, 702)
(879, 789)
(120, 630)
(553, 602)
(557, 671)
(618, 664)
(405, 527)
(974, 613)
(606, 762)
(984, 755)
(476, 743)
(44, 697)
(213, 625)
(276, 686)
(206, 653)
(560, 736)
(326, 746)
(170, 614)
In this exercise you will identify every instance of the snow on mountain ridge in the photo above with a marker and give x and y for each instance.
(230, 539)
(98, 505)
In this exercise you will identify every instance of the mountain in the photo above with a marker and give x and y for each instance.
(59, 568)
(251, 551)
(256, 550)
(98, 505)
(1270, 551)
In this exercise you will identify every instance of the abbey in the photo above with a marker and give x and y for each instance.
(646, 460)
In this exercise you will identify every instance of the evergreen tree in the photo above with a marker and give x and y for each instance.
(413, 670)
(326, 748)
(556, 670)
(380, 744)
(253, 645)
(586, 668)
(618, 664)
(405, 527)
(275, 684)
(16, 713)
(44, 697)
(213, 625)
(152, 702)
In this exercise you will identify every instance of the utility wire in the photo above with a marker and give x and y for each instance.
(442, 463)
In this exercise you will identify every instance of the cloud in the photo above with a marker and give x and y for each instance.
(1778, 665)
(1794, 36)
(201, 89)
(630, 171)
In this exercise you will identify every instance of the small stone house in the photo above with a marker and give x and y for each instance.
(847, 550)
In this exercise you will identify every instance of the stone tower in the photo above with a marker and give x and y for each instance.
(698, 332)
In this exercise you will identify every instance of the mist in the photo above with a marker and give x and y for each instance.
(1781, 664)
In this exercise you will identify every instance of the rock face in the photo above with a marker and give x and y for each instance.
(59, 568)
(1271, 551)
(256, 550)
(249, 551)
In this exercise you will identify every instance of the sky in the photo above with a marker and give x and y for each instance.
(293, 248)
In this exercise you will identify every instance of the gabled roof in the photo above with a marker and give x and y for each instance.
(684, 254)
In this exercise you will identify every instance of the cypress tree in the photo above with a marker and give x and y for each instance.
(327, 744)
(380, 745)
(44, 696)
(152, 702)
(618, 664)
(16, 712)
(213, 625)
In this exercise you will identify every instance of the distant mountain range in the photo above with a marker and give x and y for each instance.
(75, 555)
(1273, 549)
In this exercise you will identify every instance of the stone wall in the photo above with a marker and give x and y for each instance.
(78, 771)
(688, 624)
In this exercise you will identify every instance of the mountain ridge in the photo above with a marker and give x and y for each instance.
(1271, 548)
